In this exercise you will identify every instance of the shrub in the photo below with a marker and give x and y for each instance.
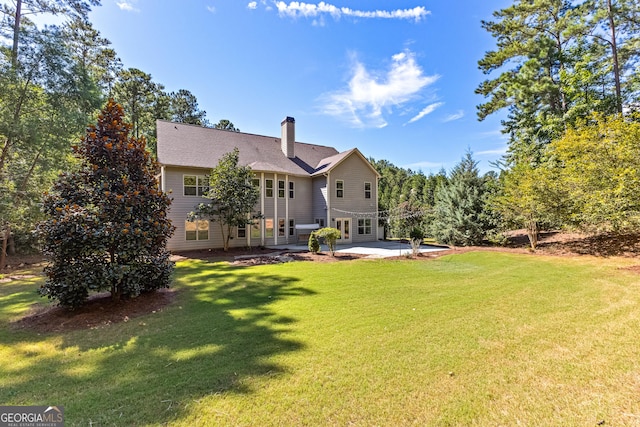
(314, 244)
(416, 236)
(330, 236)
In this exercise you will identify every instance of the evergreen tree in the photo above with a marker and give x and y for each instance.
(184, 108)
(459, 211)
(107, 226)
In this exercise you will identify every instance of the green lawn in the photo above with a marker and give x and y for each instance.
(481, 338)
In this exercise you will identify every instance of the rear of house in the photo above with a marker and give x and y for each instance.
(300, 185)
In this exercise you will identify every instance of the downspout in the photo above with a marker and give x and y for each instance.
(328, 184)
(163, 185)
(377, 210)
(262, 209)
(276, 190)
(286, 209)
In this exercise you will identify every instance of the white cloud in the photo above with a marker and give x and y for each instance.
(493, 134)
(424, 165)
(497, 151)
(367, 96)
(309, 10)
(252, 5)
(453, 117)
(426, 110)
(127, 6)
(211, 9)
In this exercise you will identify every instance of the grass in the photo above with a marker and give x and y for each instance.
(472, 339)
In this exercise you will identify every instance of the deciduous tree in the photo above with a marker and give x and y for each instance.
(599, 170)
(232, 193)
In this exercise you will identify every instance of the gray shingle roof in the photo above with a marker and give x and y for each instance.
(194, 146)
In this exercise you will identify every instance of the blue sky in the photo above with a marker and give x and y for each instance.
(395, 79)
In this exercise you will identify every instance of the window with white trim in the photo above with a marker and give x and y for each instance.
(291, 189)
(197, 230)
(281, 227)
(281, 191)
(255, 230)
(367, 190)
(268, 185)
(195, 185)
(268, 227)
(364, 226)
(292, 227)
(320, 222)
(339, 188)
(242, 231)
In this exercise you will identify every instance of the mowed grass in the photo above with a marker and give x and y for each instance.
(478, 339)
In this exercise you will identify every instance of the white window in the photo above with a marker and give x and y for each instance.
(268, 185)
(242, 231)
(340, 189)
(256, 182)
(255, 230)
(364, 226)
(367, 190)
(281, 190)
(268, 227)
(281, 227)
(291, 190)
(320, 222)
(292, 227)
(197, 230)
(195, 185)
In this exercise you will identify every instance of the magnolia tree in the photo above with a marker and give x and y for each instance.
(107, 227)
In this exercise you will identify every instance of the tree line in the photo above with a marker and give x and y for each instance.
(567, 73)
(53, 81)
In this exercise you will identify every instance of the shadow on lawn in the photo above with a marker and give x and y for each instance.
(219, 335)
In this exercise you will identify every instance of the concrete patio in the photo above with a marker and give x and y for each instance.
(378, 249)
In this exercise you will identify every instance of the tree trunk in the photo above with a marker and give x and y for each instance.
(11, 244)
(3, 251)
(16, 34)
(225, 239)
(614, 52)
(533, 229)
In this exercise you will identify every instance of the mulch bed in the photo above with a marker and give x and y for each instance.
(100, 311)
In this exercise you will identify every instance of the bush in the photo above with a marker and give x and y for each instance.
(314, 244)
(416, 236)
(330, 236)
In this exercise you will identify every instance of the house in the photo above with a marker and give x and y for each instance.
(302, 186)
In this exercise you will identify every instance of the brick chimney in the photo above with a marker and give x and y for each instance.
(288, 137)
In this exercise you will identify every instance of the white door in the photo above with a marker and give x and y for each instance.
(344, 225)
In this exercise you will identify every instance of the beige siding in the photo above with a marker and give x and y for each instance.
(354, 172)
(308, 203)
(181, 205)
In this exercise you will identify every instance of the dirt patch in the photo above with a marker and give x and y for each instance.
(100, 311)
(21, 262)
(261, 256)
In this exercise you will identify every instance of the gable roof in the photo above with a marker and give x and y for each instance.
(196, 146)
(331, 162)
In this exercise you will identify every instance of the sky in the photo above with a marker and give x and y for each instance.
(394, 79)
